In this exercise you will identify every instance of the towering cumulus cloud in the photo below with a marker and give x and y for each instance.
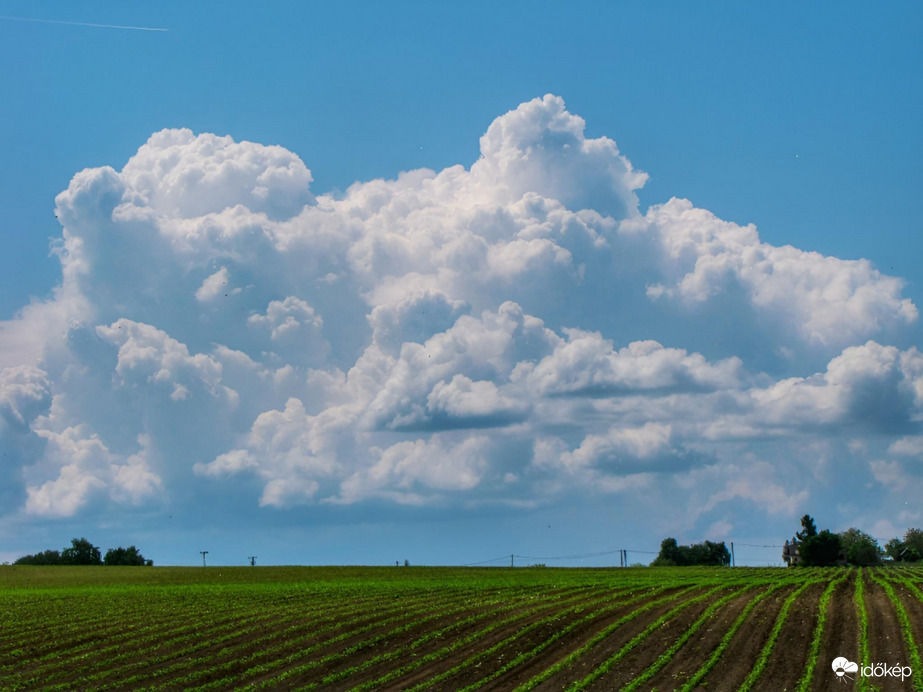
(512, 333)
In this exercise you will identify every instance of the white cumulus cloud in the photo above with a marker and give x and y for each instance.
(514, 330)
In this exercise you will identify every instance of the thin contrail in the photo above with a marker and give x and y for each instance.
(98, 26)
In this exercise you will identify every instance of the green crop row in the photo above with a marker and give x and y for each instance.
(454, 646)
(536, 650)
(379, 628)
(560, 631)
(862, 615)
(667, 655)
(823, 606)
(763, 659)
(580, 599)
(906, 630)
(610, 662)
(161, 674)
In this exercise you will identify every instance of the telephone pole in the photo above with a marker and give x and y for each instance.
(252, 559)
(204, 553)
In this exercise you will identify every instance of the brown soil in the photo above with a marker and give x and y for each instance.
(480, 668)
(648, 649)
(701, 645)
(390, 642)
(298, 631)
(790, 654)
(886, 643)
(841, 634)
(737, 660)
(592, 658)
(914, 607)
(556, 651)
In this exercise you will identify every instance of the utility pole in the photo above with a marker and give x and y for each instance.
(204, 553)
(732, 553)
(252, 559)
(511, 560)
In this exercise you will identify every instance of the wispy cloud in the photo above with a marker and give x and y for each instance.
(97, 26)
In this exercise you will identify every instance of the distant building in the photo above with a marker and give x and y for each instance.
(792, 558)
(790, 553)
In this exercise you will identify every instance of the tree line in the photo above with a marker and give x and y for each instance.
(708, 554)
(825, 548)
(814, 549)
(82, 552)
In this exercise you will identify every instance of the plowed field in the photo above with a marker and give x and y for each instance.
(459, 628)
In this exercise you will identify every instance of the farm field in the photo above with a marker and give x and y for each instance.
(419, 628)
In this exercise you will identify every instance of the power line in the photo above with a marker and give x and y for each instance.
(603, 553)
(484, 562)
(580, 556)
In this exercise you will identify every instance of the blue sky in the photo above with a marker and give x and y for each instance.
(136, 410)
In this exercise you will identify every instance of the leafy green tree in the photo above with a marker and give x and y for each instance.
(861, 549)
(46, 557)
(913, 541)
(894, 548)
(81, 552)
(128, 557)
(669, 555)
(706, 553)
(809, 528)
(820, 550)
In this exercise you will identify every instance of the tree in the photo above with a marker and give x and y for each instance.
(81, 552)
(913, 541)
(820, 550)
(46, 557)
(861, 549)
(808, 526)
(669, 555)
(706, 553)
(128, 557)
(894, 548)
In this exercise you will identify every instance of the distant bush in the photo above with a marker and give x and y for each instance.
(127, 557)
(82, 552)
(47, 557)
(908, 550)
(821, 550)
(707, 553)
(861, 549)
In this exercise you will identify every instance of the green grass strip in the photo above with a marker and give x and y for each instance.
(763, 659)
(726, 640)
(665, 657)
(610, 662)
(915, 663)
(863, 617)
(807, 678)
